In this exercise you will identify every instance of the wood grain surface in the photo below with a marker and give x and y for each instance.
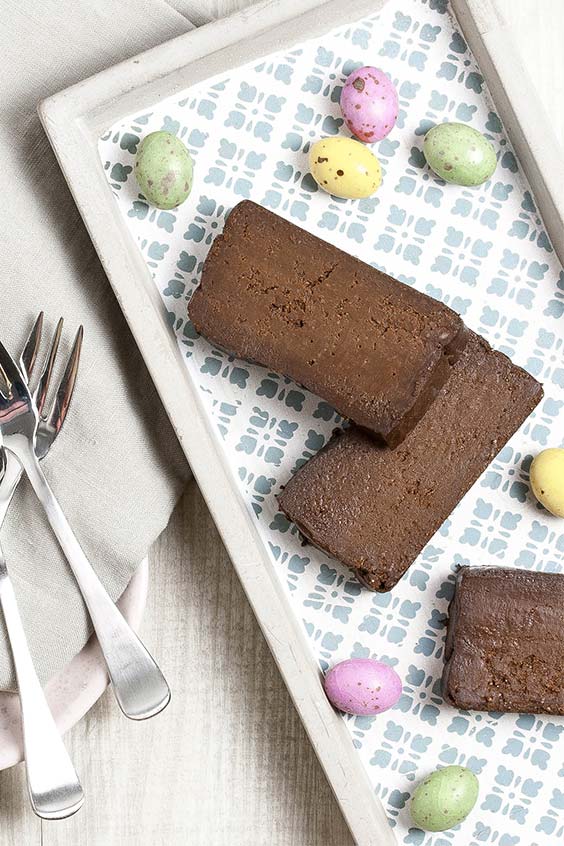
(228, 763)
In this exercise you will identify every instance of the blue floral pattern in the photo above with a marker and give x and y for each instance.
(483, 251)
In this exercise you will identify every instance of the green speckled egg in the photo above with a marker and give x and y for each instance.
(444, 799)
(460, 154)
(164, 169)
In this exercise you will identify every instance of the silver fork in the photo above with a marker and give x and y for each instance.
(53, 785)
(138, 684)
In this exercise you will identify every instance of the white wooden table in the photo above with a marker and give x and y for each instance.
(228, 763)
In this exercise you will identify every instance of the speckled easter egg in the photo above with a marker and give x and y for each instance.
(164, 170)
(344, 168)
(369, 104)
(444, 798)
(362, 686)
(547, 479)
(460, 154)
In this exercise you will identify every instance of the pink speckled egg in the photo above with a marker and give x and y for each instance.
(369, 103)
(362, 686)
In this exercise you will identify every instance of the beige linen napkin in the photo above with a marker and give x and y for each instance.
(116, 468)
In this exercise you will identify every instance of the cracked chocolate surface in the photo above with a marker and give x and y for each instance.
(505, 642)
(375, 508)
(372, 347)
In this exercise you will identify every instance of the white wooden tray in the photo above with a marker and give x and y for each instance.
(75, 120)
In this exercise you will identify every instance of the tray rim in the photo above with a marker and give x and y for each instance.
(76, 117)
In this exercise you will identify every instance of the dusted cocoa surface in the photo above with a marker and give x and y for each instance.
(375, 508)
(505, 642)
(374, 348)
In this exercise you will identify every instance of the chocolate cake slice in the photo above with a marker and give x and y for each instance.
(505, 642)
(375, 508)
(374, 348)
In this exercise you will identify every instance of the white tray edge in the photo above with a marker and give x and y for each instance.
(74, 120)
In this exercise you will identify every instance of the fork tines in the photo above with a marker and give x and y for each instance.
(59, 409)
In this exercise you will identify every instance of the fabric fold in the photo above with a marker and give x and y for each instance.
(117, 467)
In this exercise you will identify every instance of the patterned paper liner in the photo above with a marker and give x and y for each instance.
(482, 251)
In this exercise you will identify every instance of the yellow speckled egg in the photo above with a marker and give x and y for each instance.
(547, 480)
(345, 168)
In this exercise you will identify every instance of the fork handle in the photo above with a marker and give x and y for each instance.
(53, 785)
(138, 684)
